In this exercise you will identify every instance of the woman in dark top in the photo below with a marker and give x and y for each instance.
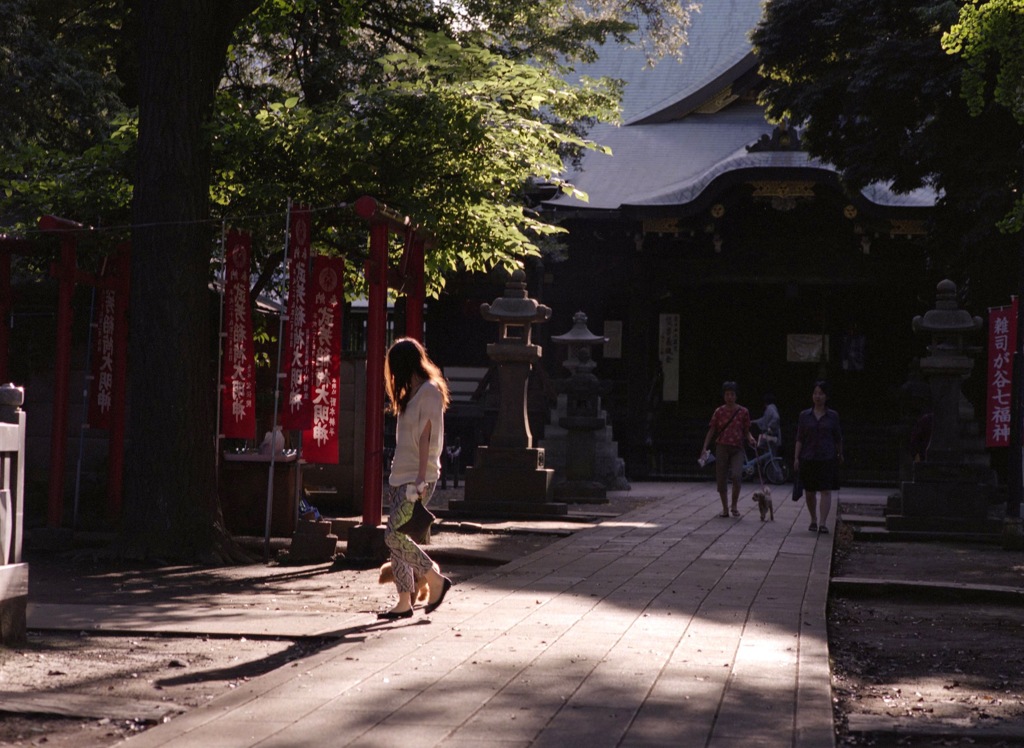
(818, 454)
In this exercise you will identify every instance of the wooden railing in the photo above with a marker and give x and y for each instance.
(13, 572)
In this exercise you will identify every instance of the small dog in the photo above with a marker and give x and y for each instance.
(763, 499)
(387, 576)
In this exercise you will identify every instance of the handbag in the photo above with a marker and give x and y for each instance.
(420, 521)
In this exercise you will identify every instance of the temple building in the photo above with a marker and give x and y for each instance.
(712, 247)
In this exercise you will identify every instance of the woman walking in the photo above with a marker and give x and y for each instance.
(729, 428)
(817, 456)
(418, 396)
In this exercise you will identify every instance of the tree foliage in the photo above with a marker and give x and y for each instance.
(989, 37)
(307, 108)
(58, 73)
(880, 99)
(196, 113)
(451, 134)
(62, 83)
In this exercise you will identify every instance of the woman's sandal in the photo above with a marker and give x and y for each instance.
(822, 530)
(724, 514)
(735, 512)
(813, 527)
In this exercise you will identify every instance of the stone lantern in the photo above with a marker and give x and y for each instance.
(949, 491)
(948, 364)
(509, 477)
(581, 449)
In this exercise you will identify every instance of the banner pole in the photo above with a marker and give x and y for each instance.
(220, 348)
(277, 395)
(85, 411)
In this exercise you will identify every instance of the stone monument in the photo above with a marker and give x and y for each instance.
(579, 444)
(509, 477)
(953, 488)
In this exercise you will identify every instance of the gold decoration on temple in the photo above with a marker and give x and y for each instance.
(783, 189)
(907, 227)
(661, 225)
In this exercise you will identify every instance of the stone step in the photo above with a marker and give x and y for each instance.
(863, 520)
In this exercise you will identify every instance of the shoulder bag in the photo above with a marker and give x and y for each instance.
(721, 430)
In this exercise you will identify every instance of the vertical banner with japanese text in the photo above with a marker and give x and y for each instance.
(297, 363)
(238, 376)
(668, 354)
(320, 442)
(102, 391)
(1002, 340)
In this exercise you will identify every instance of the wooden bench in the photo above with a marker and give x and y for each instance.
(463, 381)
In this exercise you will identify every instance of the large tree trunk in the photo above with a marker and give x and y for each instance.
(171, 504)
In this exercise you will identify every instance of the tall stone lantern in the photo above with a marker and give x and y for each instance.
(949, 491)
(509, 477)
(581, 448)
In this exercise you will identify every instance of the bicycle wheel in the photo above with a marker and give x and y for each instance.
(776, 472)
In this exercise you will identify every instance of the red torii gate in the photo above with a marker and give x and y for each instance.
(365, 541)
(408, 277)
(67, 274)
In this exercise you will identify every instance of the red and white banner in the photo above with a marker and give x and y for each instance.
(320, 442)
(1002, 341)
(238, 376)
(297, 363)
(101, 394)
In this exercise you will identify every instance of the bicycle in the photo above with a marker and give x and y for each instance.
(767, 462)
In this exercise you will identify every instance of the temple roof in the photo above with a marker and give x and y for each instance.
(685, 123)
(718, 53)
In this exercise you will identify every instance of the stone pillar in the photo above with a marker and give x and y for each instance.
(509, 477)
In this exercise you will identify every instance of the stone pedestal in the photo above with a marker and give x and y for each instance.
(585, 459)
(313, 542)
(13, 571)
(944, 498)
(508, 482)
(365, 547)
(581, 463)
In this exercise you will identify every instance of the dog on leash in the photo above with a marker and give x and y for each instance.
(763, 499)
(387, 576)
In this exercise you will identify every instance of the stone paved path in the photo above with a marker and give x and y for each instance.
(667, 626)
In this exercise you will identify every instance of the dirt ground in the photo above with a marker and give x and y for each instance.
(926, 668)
(907, 670)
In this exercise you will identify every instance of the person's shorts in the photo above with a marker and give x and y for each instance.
(728, 463)
(819, 475)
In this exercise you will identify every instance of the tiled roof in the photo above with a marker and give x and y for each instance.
(665, 153)
(718, 49)
(666, 163)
